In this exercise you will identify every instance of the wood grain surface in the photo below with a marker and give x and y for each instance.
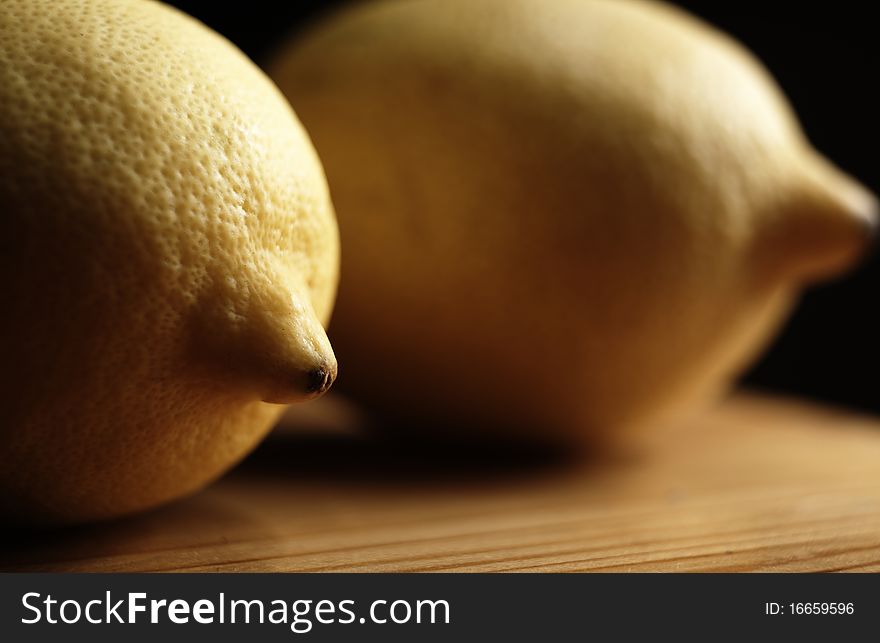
(755, 484)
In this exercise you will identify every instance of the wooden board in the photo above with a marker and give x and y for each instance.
(756, 484)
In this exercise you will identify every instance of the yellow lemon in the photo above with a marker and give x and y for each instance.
(558, 217)
(169, 255)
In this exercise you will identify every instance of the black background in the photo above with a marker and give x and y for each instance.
(826, 57)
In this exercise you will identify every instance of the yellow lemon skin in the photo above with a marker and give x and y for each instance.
(558, 218)
(169, 258)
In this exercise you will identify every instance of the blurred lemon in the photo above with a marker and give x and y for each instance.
(558, 217)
